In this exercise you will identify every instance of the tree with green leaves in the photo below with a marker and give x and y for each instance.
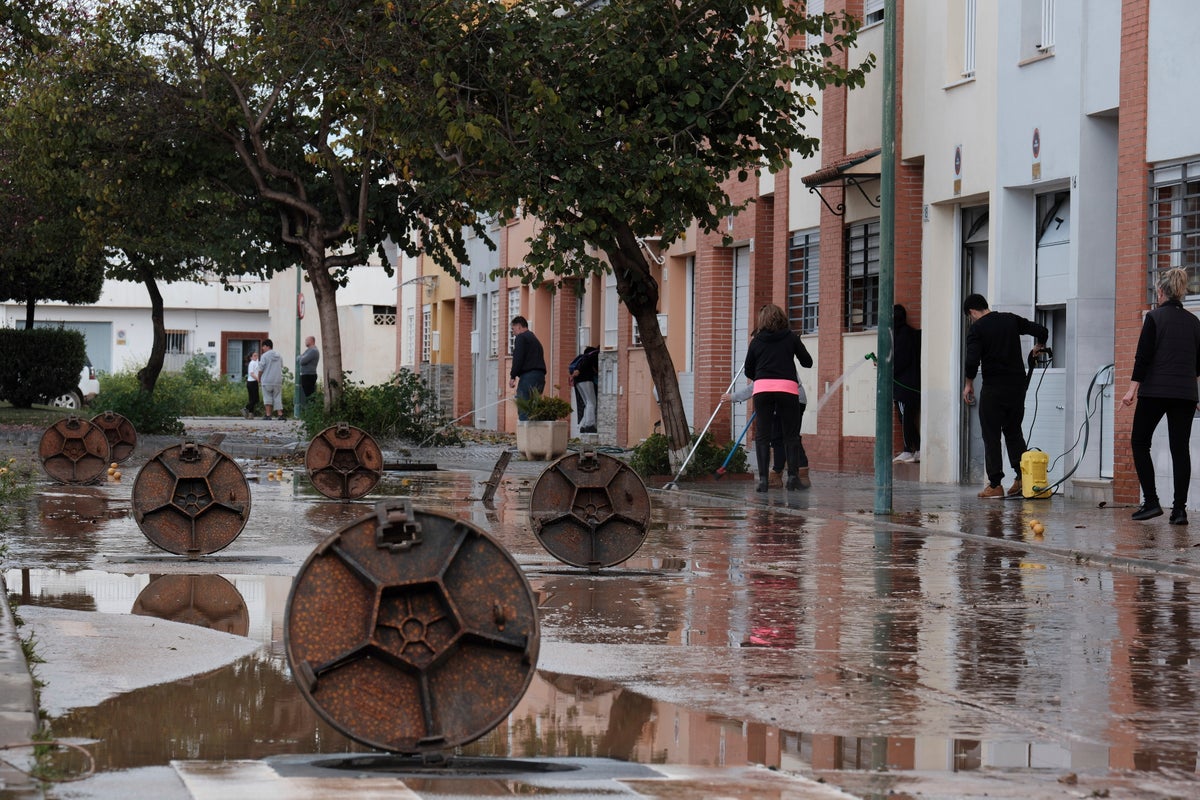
(44, 254)
(278, 85)
(614, 122)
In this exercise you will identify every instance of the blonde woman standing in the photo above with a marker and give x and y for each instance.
(1165, 368)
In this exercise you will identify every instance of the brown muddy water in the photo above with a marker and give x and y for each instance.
(737, 634)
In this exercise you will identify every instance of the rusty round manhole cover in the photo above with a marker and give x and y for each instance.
(73, 450)
(122, 437)
(191, 499)
(590, 510)
(410, 631)
(344, 462)
(207, 601)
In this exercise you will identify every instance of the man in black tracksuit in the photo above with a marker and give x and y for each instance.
(994, 341)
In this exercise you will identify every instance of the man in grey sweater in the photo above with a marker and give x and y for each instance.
(270, 368)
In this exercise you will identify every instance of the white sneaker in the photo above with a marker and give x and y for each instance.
(917, 457)
(903, 458)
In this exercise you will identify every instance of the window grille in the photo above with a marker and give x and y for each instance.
(494, 310)
(514, 310)
(426, 334)
(862, 276)
(804, 275)
(969, 16)
(1175, 223)
(1047, 42)
(177, 342)
(410, 337)
(384, 315)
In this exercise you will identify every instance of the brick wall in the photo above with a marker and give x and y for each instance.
(464, 384)
(1131, 228)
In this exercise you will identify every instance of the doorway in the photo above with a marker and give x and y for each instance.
(974, 279)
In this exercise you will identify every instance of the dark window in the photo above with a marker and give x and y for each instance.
(804, 274)
(862, 276)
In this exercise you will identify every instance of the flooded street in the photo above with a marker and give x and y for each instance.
(938, 651)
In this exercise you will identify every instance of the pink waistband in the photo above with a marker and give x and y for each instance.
(776, 385)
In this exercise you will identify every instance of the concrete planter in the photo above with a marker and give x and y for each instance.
(542, 441)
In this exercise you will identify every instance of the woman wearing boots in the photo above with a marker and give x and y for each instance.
(771, 364)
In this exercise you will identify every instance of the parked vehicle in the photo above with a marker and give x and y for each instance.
(89, 387)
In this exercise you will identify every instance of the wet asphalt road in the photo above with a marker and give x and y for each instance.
(946, 650)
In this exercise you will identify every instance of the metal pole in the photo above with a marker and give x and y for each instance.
(887, 293)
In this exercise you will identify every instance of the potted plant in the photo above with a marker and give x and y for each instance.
(544, 434)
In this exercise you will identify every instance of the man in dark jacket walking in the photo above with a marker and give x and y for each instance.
(528, 372)
(994, 342)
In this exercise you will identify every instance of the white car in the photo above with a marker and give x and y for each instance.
(89, 387)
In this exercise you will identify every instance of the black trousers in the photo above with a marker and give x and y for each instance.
(786, 411)
(1146, 416)
(909, 412)
(1001, 412)
(251, 396)
(308, 384)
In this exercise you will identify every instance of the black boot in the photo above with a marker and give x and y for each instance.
(762, 453)
(793, 480)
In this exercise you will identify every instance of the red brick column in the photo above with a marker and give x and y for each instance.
(464, 360)
(1132, 169)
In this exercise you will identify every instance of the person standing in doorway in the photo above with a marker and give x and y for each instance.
(271, 376)
(251, 386)
(994, 344)
(1165, 367)
(308, 369)
(771, 364)
(528, 373)
(906, 383)
(584, 369)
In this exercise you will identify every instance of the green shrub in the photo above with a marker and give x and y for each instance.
(156, 413)
(16, 484)
(543, 407)
(40, 363)
(404, 408)
(652, 457)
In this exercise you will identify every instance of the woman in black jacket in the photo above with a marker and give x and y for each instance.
(771, 364)
(1165, 368)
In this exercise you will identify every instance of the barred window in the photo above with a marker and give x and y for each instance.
(384, 315)
(862, 276)
(177, 342)
(426, 334)
(804, 276)
(494, 311)
(1175, 223)
(514, 310)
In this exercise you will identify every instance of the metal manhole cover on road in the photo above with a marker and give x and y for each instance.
(411, 632)
(191, 499)
(74, 451)
(344, 462)
(590, 510)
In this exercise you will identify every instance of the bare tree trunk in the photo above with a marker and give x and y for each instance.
(30, 304)
(148, 375)
(325, 295)
(639, 292)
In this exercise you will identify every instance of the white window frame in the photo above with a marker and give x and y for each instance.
(514, 310)
(872, 12)
(1046, 42)
(426, 334)
(611, 301)
(970, 14)
(814, 8)
(494, 337)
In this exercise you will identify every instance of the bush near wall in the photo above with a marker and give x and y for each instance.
(39, 363)
(405, 408)
(652, 457)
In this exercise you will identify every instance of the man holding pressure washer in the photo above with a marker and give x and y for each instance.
(994, 342)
